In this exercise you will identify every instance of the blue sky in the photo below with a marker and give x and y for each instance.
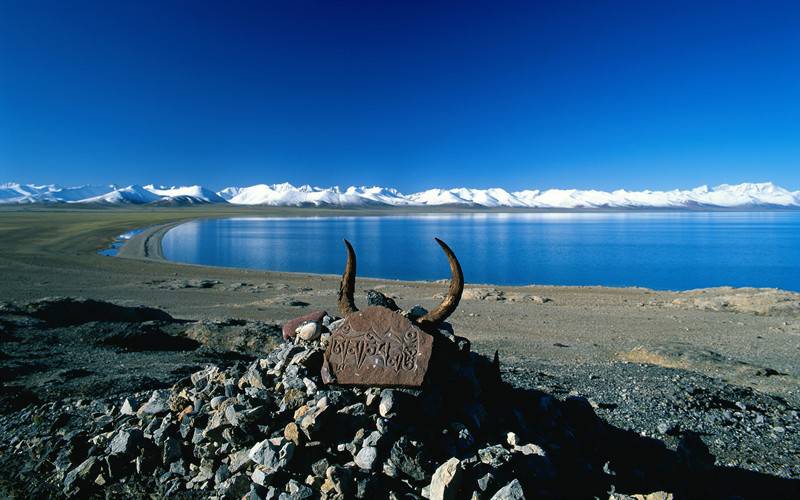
(584, 94)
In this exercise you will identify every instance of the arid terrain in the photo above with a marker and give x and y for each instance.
(720, 362)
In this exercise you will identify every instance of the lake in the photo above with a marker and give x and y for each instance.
(660, 250)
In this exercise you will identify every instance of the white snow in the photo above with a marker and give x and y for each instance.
(746, 195)
(287, 195)
(31, 193)
(131, 194)
(198, 193)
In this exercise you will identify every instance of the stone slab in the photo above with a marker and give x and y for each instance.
(377, 347)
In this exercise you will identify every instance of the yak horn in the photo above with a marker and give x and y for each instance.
(347, 286)
(449, 304)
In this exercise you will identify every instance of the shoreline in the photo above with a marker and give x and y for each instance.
(147, 245)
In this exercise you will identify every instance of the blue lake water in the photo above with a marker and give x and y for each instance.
(661, 250)
(118, 242)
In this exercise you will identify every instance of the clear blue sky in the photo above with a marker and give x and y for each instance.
(412, 95)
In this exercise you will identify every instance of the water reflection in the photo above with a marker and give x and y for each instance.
(658, 250)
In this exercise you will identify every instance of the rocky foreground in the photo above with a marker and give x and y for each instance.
(267, 427)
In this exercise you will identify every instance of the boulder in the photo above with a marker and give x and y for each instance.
(274, 454)
(308, 331)
(290, 327)
(511, 491)
(81, 475)
(129, 406)
(376, 298)
(366, 457)
(157, 404)
(126, 443)
(446, 481)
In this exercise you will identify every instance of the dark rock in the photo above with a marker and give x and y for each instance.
(178, 467)
(198, 436)
(404, 459)
(171, 450)
(126, 443)
(166, 429)
(274, 454)
(341, 479)
(378, 299)
(415, 312)
(186, 428)
(234, 487)
(222, 474)
(81, 476)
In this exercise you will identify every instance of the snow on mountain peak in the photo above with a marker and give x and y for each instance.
(745, 195)
(193, 193)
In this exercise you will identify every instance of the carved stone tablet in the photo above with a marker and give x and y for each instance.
(377, 346)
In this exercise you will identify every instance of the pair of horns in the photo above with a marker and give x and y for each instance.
(347, 287)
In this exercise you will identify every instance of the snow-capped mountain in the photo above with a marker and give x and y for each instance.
(494, 197)
(132, 194)
(110, 194)
(746, 195)
(30, 193)
(197, 193)
(287, 195)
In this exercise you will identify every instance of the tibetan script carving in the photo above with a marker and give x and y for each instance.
(377, 346)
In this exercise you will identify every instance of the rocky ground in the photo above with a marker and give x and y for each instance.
(267, 426)
(56, 348)
(229, 409)
(742, 427)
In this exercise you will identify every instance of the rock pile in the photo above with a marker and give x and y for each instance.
(270, 429)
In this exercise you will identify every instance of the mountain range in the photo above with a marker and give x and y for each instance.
(746, 195)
